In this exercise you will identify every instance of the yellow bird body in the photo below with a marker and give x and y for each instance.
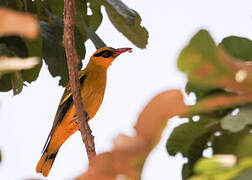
(93, 84)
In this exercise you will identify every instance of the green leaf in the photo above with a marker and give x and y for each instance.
(5, 83)
(94, 20)
(222, 168)
(208, 67)
(235, 123)
(190, 138)
(244, 146)
(127, 21)
(15, 45)
(197, 60)
(187, 170)
(238, 47)
(228, 142)
(81, 11)
(34, 49)
(91, 23)
(54, 52)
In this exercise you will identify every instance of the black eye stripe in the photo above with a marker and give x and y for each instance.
(105, 54)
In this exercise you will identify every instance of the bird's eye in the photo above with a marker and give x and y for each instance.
(104, 54)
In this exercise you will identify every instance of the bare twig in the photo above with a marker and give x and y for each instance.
(72, 61)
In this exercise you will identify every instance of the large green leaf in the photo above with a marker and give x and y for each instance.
(209, 67)
(191, 139)
(199, 60)
(188, 135)
(54, 52)
(127, 21)
(238, 47)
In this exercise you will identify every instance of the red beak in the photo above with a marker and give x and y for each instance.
(119, 51)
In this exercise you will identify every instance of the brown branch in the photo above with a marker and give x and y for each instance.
(72, 61)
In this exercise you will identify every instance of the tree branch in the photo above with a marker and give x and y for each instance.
(72, 62)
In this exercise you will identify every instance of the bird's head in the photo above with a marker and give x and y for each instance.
(106, 55)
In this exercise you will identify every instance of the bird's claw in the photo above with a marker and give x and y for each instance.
(87, 115)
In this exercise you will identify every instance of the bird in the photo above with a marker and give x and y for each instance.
(93, 84)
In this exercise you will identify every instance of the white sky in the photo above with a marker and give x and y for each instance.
(133, 79)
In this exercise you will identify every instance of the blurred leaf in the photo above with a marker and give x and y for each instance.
(208, 67)
(4, 51)
(235, 123)
(40, 6)
(191, 139)
(215, 165)
(227, 142)
(244, 146)
(54, 52)
(190, 134)
(238, 47)
(132, 151)
(187, 170)
(21, 24)
(197, 60)
(215, 168)
(219, 102)
(162, 107)
(127, 21)
(10, 3)
(15, 45)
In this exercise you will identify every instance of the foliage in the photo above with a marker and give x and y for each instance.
(220, 75)
(223, 167)
(48, 44)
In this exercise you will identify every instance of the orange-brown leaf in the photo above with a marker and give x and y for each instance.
(16, 23)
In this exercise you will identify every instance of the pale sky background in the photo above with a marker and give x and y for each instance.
(133, 79)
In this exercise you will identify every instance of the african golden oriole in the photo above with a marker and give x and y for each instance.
(93, 84)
